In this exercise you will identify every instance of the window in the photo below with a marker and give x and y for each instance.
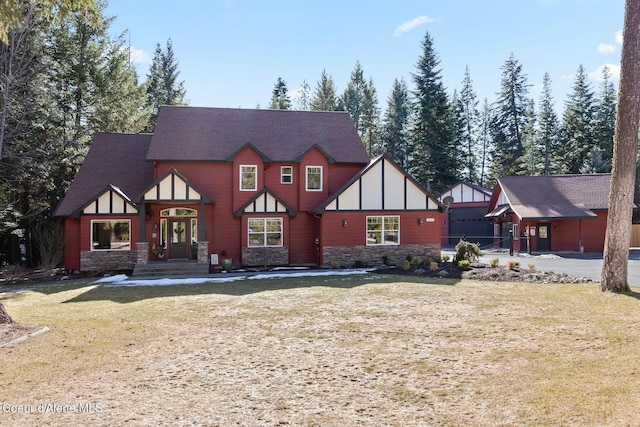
(314, 178)
(248, 178)
(265, 232)
(286, 174)
(111, 235)
(383, 230)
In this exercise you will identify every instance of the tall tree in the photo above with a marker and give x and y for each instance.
(625, 152)
(467, 106)
(353, 96)
(547, 135)
(605, 116)
(485, 141)
(395, 125)
(434, 159)
(370, 120)
(303, 100)
(509, 120)
(324, 98)
(279, 98)
(577, 131)
(163, 87)
(532, 160)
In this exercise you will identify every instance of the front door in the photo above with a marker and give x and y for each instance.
(178, 238)
(544, 237)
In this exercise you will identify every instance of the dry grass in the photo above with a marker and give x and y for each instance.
(326, 352)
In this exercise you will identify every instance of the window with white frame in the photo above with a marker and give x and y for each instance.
(314, 178)
(383, 230)
(264, 232)
(248, 177)
(111, 235)
(286, 174)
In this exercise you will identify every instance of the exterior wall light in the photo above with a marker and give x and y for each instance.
(420, 221)
(345, 223)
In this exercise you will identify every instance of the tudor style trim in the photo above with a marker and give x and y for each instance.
(111, 201)
(265, 202)
(172, 187)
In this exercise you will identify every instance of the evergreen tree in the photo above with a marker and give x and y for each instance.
(370, 120)
(434, 159)
(578, 125)
(279, 98)
(532, 161)
(163, 87)
(468, 114)
(509, 120)
(547, 135)
(605, 117)
(303, 100)
(395, 126)
(353, 96)
(324, 97)
(484, 139)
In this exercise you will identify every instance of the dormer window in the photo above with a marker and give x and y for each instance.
(248, 177)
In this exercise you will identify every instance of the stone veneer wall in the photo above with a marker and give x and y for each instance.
(347, 256)
(203, 252)
(107, 260)
(259, 257)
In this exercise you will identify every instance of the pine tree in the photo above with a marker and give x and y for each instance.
(353, 96)
(370, 120)
(163, 87)
(605, 117)
(485, 142)
(578, 125)
(303, 100)
(324, 97)
(467, 107)
(395, 127)
(532, 162)
(434, 158)
(279, 98)
(509, 120)
(547, 135)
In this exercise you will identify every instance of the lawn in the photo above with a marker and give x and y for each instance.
(365, 350)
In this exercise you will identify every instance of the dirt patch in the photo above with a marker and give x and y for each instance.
(13, 331)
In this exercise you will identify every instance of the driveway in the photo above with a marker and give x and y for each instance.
(587, 265)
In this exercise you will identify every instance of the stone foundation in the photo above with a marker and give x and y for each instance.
(261, 257)
(107, 260)
(372, 256)
(203, 252)
(142, 253)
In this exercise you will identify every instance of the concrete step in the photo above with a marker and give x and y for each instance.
(171, 268)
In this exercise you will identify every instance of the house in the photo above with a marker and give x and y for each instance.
(551, 213)
(258, 187)
(464, 217)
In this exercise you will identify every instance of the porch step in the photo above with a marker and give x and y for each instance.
(171, 268)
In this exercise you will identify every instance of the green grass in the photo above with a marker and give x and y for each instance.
(330, 351)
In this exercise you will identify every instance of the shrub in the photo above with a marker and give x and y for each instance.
(385, 260)
(434, 266)
(406, 265)
(513, 265)
(468, 251)
(446, 258)
(494, 263)
(415, 261)
(464, 264)
(531, 266)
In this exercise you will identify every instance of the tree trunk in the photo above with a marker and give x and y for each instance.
(616, 245)
(4, 317)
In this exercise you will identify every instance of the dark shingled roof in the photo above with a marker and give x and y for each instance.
(557, 196)
(114, 159)
(217, 134)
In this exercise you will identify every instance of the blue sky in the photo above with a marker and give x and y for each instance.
(231, 52)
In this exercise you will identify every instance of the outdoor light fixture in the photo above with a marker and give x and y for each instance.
(420, 221)
(345, 223)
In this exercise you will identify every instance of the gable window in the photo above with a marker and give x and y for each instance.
(111, 235)
(383, 230)
(286, 174)
(264, 232)
(314, 178)
(248, 177)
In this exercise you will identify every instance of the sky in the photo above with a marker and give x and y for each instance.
(231, 52)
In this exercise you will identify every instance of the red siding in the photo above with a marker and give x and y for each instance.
(72, 232)
(310, 200)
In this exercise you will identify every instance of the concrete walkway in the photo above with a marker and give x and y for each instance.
(587, 265)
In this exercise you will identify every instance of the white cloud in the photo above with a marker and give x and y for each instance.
(139, 56)
(619, 37)
(410, 25)
(606, 48)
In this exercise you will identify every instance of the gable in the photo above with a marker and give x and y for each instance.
(465, 192)
(382, 185)
(109, 202)
(265, 202)
(172, 187)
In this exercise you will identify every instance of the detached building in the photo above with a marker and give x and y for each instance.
(258, 187)
(551, 213)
